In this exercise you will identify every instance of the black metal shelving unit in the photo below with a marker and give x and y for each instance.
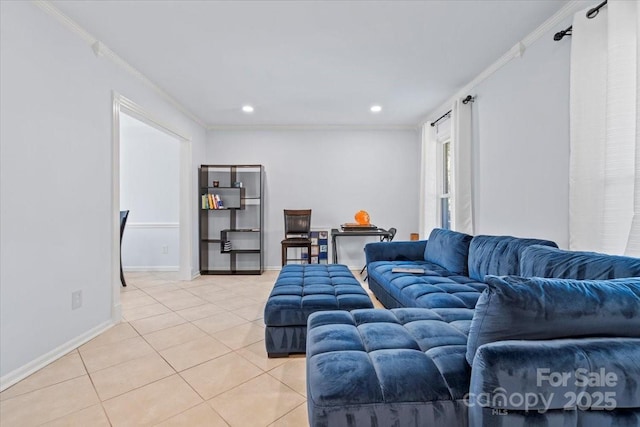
(231, 236)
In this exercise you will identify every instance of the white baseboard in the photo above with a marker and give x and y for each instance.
(195, 275)
(116, 313)
(152, 268)
(24, 371)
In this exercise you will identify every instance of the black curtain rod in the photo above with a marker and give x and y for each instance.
(447, 114)
(592, 13)
(467, 100)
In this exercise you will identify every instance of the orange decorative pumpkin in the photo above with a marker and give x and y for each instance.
(362, 218)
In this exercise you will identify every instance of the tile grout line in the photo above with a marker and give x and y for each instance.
(104, 410)
(249, 296)
(46, 386)
(278, 419)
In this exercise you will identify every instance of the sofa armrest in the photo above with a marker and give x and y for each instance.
(529, 378)
(395, 251)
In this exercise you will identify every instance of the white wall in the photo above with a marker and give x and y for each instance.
(56, 223)
(521, 144)
(150, 190)
(335, 173)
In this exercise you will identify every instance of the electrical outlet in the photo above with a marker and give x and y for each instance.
(165, 249)
(76, 300)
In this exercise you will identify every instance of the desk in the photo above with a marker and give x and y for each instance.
(380, 232)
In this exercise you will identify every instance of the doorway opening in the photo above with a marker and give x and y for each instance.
(151, 164)
(150, 191)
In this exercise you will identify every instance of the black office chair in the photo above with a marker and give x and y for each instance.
(297, 233)
(392, 233)
(123, 221)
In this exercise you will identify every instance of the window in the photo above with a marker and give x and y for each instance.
(445, 184)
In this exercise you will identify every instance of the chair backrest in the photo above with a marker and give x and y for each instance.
(297, 221)
(392, 233)
(123, 221)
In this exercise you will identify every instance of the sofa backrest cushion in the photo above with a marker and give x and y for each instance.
(449, 249)
(543, 261)
(498, 255)
(535, 308)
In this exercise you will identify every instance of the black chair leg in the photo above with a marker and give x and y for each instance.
(123, 222)
(122, 274)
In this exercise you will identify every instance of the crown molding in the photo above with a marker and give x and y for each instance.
(516, 51)
(131, 108)
(294, 127)
(102, 50)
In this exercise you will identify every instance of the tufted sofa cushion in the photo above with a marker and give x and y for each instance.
(498, 255)
(542, 261)
(388, 367)
(448, 249)
(436, 288)
(534, 308)
(303, 289)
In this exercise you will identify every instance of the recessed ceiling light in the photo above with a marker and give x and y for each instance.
(247, 108)
(376, 108)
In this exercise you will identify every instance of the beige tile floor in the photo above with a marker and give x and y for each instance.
(186, 354)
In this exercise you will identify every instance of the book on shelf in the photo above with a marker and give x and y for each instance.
(212, 201)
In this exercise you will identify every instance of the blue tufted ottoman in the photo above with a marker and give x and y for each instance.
(400, 367)
(301, 290)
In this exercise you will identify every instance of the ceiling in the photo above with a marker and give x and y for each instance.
(310, 63)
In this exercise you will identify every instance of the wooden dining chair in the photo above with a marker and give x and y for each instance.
(297, 233)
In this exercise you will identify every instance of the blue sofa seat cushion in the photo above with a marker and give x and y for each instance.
(449, 249)
(517, 308)
(303, 289)
(499, 255)
(436, 288)
(371, 356)
(543, 261)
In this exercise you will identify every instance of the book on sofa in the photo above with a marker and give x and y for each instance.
(407, 270)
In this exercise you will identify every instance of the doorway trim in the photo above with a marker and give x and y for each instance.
(122, 104)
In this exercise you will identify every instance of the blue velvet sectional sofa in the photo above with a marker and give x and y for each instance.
(498, 331)
(455, 266)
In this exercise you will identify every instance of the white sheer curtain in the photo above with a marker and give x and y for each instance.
(457, 130)
(462, 206)
(429, 218)
(604, 140)
(633, 243)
